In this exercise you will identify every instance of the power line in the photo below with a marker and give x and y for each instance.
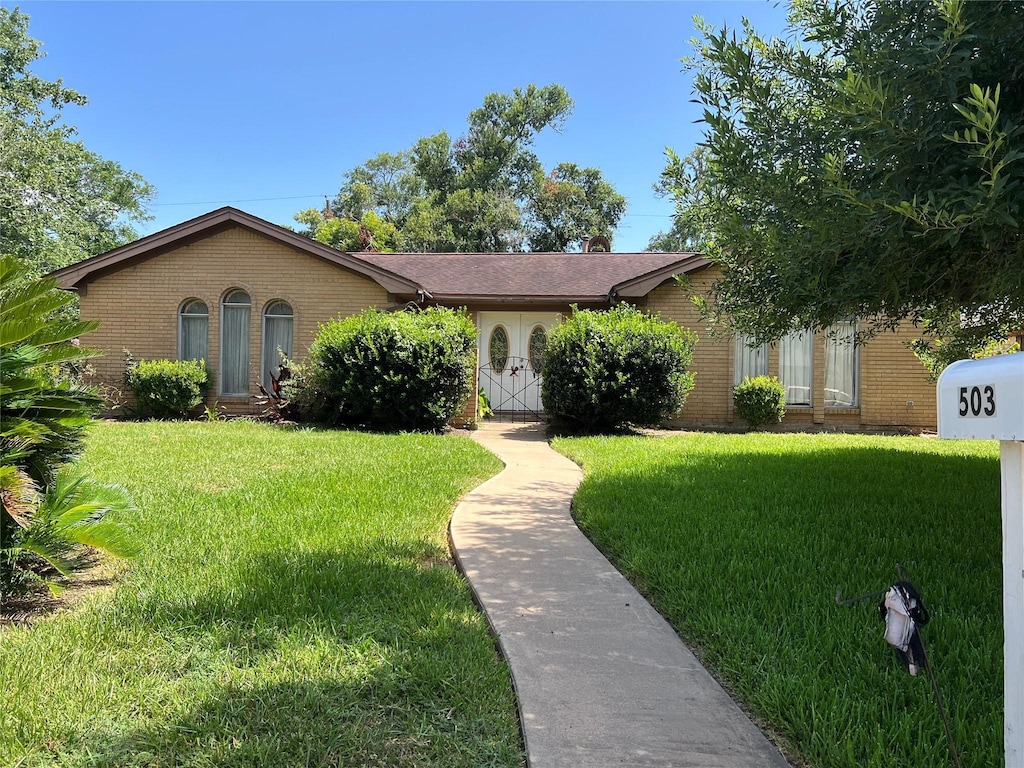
(245, 200)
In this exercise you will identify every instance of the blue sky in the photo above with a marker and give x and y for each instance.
(264, 106)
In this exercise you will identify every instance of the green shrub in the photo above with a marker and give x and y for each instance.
(167, 389)
(390, 370)
(603, 369)
(760, 400)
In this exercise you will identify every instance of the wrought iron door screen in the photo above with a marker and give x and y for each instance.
(514, 391)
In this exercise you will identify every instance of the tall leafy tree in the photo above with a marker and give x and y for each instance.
(483, 191)
(59, 202)
(569, 203)
(870, 164)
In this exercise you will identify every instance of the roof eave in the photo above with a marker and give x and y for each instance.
(470, 298)
(641, 285)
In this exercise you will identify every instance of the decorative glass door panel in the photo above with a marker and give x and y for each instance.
(511, 353)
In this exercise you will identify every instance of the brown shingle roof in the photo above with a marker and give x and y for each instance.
(593, 276)
(483, 277)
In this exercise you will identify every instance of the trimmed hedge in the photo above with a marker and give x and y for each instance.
(604, 369)
(167, 389)
(760, 400)
(389, 370)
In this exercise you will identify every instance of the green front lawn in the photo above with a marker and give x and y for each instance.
(295, 606)
(743, 540)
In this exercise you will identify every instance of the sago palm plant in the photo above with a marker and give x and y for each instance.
(44, 513)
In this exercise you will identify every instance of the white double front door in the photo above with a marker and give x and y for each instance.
(511, 351)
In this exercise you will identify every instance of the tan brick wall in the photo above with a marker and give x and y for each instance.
(468, 416)
(710, 401)
(889, 376)
(138, 305)
(895, 390)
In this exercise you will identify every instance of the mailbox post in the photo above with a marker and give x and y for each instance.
(984, 400)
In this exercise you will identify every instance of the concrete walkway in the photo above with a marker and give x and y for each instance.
(601, 678)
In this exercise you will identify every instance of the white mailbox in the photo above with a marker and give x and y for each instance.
(984, 399)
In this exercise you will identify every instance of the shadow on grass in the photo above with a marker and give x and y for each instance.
(743, 551)
(368, 657)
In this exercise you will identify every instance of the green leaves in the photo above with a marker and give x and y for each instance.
(390, 370)
(167, 389)
(873, 172)
(484, 191)
(74, 511)
(45, 514)
(61, 203)
(605, 369)
(760, 400)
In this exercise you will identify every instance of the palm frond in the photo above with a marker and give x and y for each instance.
(78, 508)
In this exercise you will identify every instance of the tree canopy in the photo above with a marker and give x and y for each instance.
(679, 181)
(869, 165)
(59, 202)
(484, 191)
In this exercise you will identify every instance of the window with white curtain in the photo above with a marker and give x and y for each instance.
(193, 329)
(841, 365)
(750, 361)
(234, 343)
(277, 339)
(796, 356)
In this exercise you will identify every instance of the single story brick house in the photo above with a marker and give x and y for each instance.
(233, 289)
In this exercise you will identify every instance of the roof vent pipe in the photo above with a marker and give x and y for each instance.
(586, 243)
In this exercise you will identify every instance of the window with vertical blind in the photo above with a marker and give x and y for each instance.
(277, 338)
(749, 361)
(841, 365)
(796, 358)
(193, 329)
(235, 312)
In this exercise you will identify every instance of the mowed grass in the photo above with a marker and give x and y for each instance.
(295, 606)
(742, 541)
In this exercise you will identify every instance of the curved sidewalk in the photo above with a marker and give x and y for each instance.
(601, 677)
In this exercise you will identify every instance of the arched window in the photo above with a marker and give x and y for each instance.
(193, 330)
(538, 343)
(234, 343)
(497, 349)
(277, 339)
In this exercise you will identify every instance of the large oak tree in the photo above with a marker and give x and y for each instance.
(870, 164)
(484, 191)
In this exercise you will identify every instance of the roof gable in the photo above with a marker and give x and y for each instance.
(212, 223)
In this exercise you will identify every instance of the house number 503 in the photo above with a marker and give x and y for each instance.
(978, 401)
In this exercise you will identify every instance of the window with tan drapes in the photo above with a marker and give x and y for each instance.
(796, 358)
(277, 339)
(841, 365)
(234, 343)
(193, 330)
(749, 361)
